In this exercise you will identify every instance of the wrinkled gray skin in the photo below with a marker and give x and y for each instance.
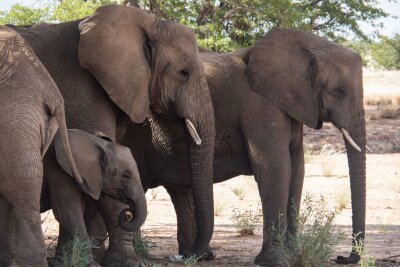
(113, 66)
(261, 97)
(107, 168)
(31, 110)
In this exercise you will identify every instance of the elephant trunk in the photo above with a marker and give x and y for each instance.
(132, 218)
(357, 171)
(202, 157)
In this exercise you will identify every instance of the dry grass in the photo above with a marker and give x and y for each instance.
(240, 192)
(329, 165)
(219, 207)
(342, 200)
(382, 107)
(154, 193)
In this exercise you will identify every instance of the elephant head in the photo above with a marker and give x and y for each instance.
(109, 168)
(146, 63)
(315, 81)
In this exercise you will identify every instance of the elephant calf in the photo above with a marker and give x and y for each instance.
(31, 110)
(108, 170)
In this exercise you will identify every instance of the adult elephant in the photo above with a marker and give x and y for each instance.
(262, 96)
(110, 68)
(31, 111)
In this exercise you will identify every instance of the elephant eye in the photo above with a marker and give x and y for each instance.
(341, 91)
(184, 74)
(126, 175)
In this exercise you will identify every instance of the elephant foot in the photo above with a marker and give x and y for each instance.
(207, 255)
(99, 251)
(120, 257)
(352, 259)
(267, 259)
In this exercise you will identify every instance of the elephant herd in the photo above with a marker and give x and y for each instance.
(145, 107)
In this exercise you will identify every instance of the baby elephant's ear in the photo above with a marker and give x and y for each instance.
(88, 152)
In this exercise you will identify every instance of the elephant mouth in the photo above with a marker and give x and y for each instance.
(120, 196)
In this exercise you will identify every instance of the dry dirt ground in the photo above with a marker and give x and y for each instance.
(326, 175)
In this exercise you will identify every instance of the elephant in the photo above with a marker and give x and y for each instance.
(31, 111)
(112, 68)
(107, 168)
(262, 96)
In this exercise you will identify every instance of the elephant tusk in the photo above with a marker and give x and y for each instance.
(129, 216)
(350, 140)
(193, 132)
(369, 149)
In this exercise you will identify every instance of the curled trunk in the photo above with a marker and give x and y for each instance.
(132, 218)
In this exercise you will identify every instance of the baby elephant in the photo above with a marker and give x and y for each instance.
(31, 110)
(107, 169)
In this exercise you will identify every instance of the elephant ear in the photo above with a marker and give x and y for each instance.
(112, 47)
(283, 70)
(90, 158)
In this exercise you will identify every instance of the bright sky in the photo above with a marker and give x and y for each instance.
(390, 27)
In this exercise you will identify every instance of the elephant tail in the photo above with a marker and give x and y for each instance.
(60, 117)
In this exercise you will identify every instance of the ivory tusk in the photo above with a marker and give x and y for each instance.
(369, 149)
(350, 140)
(129, 216)
(193, 132)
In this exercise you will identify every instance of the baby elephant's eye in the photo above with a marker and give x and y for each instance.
(126, 175)
(184, 73)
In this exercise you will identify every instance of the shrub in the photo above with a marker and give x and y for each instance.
(154, 193)
(142, 245)
(240, 192)
(315, 238)
(342, 200)
(76, 253)
(247, 220)
(218, 208)
(190, 261)
(359, 248)
(329, 165)
(307, 156)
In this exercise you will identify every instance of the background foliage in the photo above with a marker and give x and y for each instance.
(226, 25)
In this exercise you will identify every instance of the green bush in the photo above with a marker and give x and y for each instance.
(76, 253)
(247, 220)
(315, 239)
(386, 52)
(142, 245)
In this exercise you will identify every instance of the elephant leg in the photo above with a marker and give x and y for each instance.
(186, 218)
(268, 138)
(297, 176)
(62, 242)
(120, 251)
(7, 233)
(30, 248)
(67, 203)
(96, 228)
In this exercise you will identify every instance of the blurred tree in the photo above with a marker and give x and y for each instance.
(67, 10)
(386, 52)
(224, 25)
(23, 15)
